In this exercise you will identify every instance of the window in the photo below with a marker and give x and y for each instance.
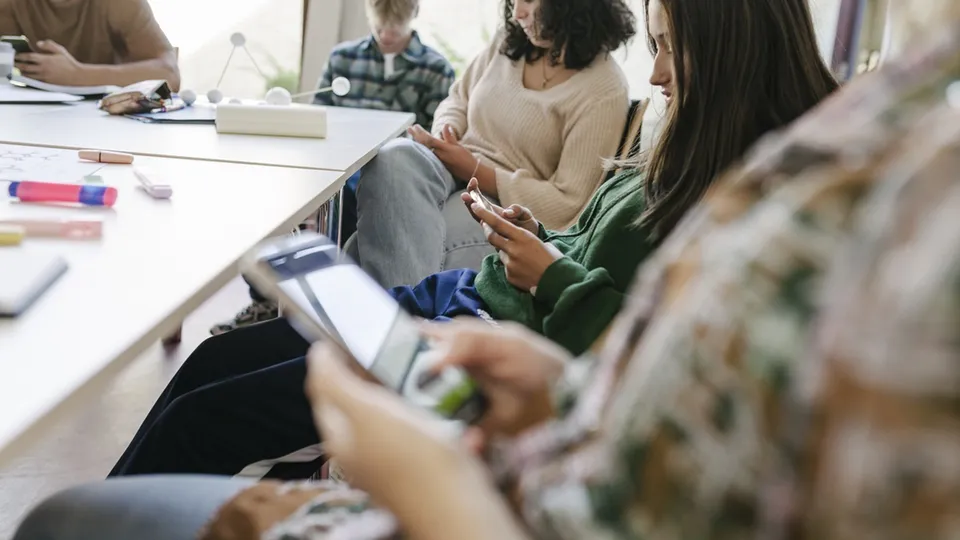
(461, 28)
(201, 30)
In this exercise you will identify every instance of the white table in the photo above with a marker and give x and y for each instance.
(157, 261)
(355, 135)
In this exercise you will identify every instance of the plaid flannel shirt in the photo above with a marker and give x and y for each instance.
(421, 80)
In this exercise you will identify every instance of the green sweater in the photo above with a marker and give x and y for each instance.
(579, 295)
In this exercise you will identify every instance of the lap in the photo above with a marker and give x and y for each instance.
(145, 508)
(404, 168)
(239, 352)
(441, 296)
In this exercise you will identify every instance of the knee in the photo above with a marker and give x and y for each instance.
(399, 158)
(54, 519)
(203, 366)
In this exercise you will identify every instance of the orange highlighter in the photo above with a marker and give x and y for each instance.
(101, 156)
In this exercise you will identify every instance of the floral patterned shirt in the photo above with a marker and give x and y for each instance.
(787, 364)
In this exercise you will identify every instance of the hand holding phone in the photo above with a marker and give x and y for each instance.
(481, 200)
(516, 214)
(20, 44)
(328, 298)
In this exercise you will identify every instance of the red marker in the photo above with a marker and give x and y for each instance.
(67, 193)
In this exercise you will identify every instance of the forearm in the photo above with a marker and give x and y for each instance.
(469, 508)
(124, 74)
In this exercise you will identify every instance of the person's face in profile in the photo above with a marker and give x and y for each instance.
(525, 13)
(664, 70)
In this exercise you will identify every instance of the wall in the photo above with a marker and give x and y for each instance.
(328, 22)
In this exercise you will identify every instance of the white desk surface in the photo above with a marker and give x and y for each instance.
(157, 262)
(354, 137)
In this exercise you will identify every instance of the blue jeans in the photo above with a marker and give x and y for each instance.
(237, 405)
(411, 222)
(145, 508)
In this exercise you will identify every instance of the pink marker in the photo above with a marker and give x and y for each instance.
(66, 193)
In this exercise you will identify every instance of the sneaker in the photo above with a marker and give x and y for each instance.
(254, 313)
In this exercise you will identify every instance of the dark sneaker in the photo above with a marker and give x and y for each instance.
(254, 313)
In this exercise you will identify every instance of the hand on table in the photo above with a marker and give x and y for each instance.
(52, 63)
(516, 214)
(524, 256)
(459, 161)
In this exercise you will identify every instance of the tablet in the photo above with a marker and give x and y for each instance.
(24, 277)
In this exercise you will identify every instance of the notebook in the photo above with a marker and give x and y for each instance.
(24, 277)
(16, 94)
(186, 115)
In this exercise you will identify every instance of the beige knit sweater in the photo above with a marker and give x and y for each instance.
(546, 146)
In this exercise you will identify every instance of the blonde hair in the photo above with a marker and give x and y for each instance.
(393, 11)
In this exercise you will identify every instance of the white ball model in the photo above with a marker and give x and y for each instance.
(281, 96)
(278, 96)
(189, 97)
(215, 96)
(340, 86)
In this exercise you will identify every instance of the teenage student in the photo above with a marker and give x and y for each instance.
(90, 42)
(533, 114)
(784, 371)
(391, 70)
(236, 407)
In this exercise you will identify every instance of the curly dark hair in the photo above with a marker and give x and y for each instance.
(580, 30)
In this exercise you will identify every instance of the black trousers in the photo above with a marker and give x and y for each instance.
(238, 400)
(238, 405)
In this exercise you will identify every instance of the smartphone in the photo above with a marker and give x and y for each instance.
(481, 200)
(325, 296)
(20, 44)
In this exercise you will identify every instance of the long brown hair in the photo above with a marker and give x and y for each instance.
(743, 68)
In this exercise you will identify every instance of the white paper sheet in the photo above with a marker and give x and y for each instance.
(43, 164)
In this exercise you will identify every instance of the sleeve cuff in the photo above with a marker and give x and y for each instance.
(441, 121)
(560, 275)
(503, 184)
(541, 231)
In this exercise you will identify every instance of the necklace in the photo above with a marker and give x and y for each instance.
(546, 80)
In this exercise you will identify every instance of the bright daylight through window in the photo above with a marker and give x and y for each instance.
(457, 28)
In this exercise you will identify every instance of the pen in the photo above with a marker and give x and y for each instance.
(101, 156)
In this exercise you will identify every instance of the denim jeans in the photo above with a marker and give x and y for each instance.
(145, 508)
(411, 221)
